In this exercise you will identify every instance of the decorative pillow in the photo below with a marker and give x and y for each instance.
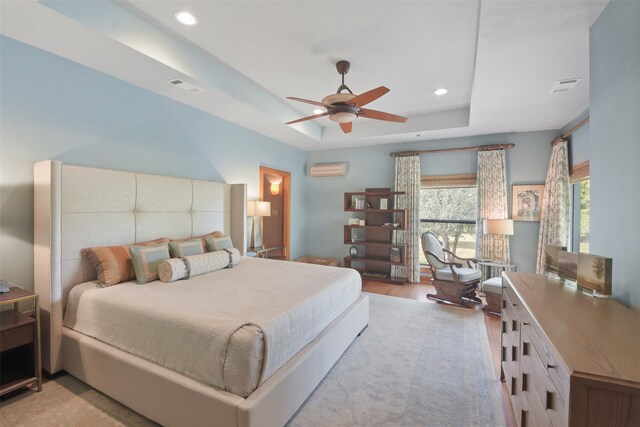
(204, 238)
(113, 263)
(182, 248)
(218, 243)
(146, 259)
(174, 269)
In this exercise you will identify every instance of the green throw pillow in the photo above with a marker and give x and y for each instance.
(183, 248)
(146, 259)
(218, 243)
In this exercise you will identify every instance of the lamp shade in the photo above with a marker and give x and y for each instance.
(257, 208)
(498, 226)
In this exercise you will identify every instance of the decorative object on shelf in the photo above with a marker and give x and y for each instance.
(4, 286)
(395, 254)
(362, 223)
(354, 221)
(499, 227)
(526, 202)
(256, 210)
(353, 251)
(594, 273)
(391, 224)
(383, 203)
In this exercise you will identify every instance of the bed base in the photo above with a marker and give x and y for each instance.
(172, 399)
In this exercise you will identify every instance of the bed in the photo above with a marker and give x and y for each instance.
(78, 207)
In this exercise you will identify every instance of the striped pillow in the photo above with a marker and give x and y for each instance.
(146, 259)
(113, 263)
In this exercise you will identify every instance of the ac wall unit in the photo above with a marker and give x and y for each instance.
(328, 169)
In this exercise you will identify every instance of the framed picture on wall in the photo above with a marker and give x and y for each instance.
(526, 202)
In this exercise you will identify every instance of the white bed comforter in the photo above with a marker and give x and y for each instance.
(268, 310)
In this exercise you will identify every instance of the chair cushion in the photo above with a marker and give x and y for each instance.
(464, 274)
(492, 286)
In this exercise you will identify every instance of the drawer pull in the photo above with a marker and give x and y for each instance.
(514, 353)
(526, 323)
(551, 366)
(549, 404)
(524, 381)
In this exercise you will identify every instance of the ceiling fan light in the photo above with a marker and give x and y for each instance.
(343, 117)
(318, 111)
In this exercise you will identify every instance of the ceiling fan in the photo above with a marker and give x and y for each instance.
(344, 108)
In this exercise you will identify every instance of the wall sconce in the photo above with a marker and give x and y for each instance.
(275, 184)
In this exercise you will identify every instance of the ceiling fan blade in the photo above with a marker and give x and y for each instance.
(367, 97)
(346, 127)
(380, 115)
(306, 101)
(315, 116)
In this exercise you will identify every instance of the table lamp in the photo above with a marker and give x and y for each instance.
(498, 227)
(257, 209)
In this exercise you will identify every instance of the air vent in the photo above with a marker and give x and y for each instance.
(563, 86)
(187, 87)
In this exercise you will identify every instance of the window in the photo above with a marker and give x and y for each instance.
(580, 202)
(448, 209)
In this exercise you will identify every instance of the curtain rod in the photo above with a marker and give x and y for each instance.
(447, 150)
(568, 133)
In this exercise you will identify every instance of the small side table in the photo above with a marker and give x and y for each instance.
(263, 252)
(19, 342)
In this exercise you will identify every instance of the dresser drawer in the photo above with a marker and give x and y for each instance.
(557, 373)
(538, 384)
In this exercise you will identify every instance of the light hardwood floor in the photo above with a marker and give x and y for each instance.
(492, 323)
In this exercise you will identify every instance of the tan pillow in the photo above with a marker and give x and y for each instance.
(113, 263)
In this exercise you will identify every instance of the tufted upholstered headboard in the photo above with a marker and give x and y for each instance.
(78, 207)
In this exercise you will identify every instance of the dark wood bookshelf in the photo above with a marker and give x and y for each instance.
(374, 239)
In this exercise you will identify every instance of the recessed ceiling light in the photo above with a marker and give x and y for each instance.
(185, 17)
(440, 91)
(318, 111)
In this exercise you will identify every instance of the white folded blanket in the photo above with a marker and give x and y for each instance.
(174, 269)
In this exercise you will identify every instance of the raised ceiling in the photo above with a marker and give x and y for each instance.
(498, 59)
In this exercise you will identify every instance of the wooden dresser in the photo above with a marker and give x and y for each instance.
(568, 359)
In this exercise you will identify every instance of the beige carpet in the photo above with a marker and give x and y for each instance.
(418, 364)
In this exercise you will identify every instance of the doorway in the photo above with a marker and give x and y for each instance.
(275, 187)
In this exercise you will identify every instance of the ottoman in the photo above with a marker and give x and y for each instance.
(492, 289)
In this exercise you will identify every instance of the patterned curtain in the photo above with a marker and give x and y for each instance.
(408, 180)
(554, 221)
(492, 204)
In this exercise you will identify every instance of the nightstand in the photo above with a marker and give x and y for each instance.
(20, 363)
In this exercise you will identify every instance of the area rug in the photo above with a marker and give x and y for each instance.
(417, 364)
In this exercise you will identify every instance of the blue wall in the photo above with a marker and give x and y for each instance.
(615, 147)
(372, 167)
(52, 108)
